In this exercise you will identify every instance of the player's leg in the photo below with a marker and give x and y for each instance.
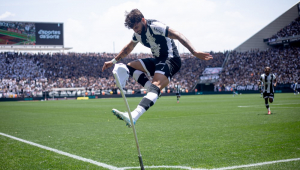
(137, 71)
(159, 82)
(271, 97)
(162, 76)
(267, 105)
(266, 97)
(271, 100)
(178, 96)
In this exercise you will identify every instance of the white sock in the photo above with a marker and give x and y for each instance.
(269, 109)
(137, 113)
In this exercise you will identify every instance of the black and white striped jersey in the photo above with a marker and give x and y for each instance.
(178, 88)
(268, 83)
(156, 38)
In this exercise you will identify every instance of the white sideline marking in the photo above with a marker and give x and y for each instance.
(149, 167)
(273, 105)
(257, 164)
(224, 168)
(62, 153)
(162, 166)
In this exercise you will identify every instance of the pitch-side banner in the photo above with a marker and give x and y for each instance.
(31, 33)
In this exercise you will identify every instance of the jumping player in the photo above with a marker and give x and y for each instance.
(166, 62)
(269, 81)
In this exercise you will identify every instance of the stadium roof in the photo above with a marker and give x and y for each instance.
(257, 40)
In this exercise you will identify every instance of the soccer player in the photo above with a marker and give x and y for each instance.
(233, 90)
(177, 92)
(269, 82)
(295, 88)
(166, 62)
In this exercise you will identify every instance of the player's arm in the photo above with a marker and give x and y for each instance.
(260, 81)
(124, 52)
(185, 42)
(275, 84)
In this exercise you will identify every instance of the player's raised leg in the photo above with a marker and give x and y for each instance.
(137, 71)
(159, 82)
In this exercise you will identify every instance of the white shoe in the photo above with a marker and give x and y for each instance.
(123, 116)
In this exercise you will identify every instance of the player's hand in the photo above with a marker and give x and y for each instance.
(275, 84)
(107, 64)
(203, 56)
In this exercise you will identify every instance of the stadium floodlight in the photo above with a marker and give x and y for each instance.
(119, 69)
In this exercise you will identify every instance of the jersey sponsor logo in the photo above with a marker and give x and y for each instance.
(159, 30)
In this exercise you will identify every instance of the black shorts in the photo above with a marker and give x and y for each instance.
(268, 95)
(177, 94)
(167, 67)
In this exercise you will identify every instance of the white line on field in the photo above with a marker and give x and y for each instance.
(257, 164)
(262, 105)
(285, 103)
(148, 167)
(224, 168)
(61, 152)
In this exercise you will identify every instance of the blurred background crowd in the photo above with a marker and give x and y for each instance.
(31, 73)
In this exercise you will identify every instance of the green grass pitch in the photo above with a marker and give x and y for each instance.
(202, 131)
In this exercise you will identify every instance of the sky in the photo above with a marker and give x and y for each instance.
(98, 25)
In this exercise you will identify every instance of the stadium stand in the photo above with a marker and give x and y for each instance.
(258, 40)
(29, 74)
(244, 68)
(291, 30)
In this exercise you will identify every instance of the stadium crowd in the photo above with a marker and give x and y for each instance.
(245, 68)
(28, 72)
(293, 29)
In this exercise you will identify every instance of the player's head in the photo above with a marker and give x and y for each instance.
(135, 20)
(267, 70)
